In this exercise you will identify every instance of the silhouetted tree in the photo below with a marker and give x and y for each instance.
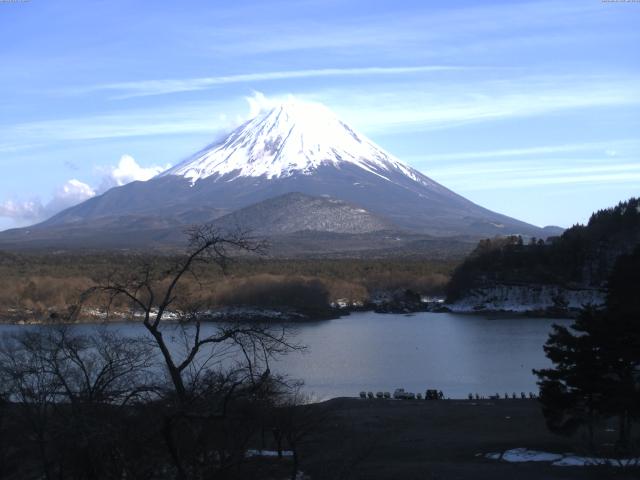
(621, 344)
(207, 414)
(596, 371)
(68, 394)
(572, 393)
(185, 400)
(293, 420)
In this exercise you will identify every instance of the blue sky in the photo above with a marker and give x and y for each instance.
(527, 108)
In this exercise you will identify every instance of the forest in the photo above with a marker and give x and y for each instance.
(35, 286)
(583, 256)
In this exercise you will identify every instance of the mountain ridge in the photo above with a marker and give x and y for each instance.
(292, 148)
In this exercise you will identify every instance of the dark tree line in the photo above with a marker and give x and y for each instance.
(583, 255)
(596, 372)
(185, 401)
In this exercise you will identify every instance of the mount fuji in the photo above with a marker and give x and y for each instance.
(341, 180)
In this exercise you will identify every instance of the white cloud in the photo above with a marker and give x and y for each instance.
(30, 210)
(127, 170)
(533, 151)
(414, 107)
(610, 152)
(166, 86)
(407, 106)
(260, 103)
(25, 212)
(435, 32)
(510, 174)
(74, 191)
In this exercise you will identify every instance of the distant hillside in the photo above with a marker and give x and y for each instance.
(294, 224)
(581, 258)
(296, 212)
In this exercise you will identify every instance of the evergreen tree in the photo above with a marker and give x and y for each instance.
(622, 346)
(573, 392)
(596, 372)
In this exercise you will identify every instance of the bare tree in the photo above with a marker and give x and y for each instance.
(214, 370)
(185, 400)
(5, 434)
(294, 419)
(69, 391)
(154, 296)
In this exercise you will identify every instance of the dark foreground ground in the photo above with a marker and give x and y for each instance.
(387, 439)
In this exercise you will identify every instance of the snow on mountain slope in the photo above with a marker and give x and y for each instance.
(293, 138)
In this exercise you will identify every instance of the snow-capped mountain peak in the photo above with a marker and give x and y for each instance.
(289, 173)
(293, 138)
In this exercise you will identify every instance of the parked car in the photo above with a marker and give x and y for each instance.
(431, 394)
(399, 393)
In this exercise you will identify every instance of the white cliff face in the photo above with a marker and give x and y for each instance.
(529, 298)
(293, 138)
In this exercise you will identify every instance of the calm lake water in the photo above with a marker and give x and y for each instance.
(457, 354)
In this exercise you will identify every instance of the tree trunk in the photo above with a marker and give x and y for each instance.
(43, 456)
(174, 373)
(294, 473)
(623, 437)
(167, 432)
(277, 435)
(590, 427)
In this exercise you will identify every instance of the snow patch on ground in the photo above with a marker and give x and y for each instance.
(268, 453)
(517, 455)
(524, 455)
(578, 461)
(251, 313)
(493, 456)
(527, 298)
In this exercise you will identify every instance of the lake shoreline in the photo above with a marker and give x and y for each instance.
(287, 315)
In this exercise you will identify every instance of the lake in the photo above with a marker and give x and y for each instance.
(455, 353)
